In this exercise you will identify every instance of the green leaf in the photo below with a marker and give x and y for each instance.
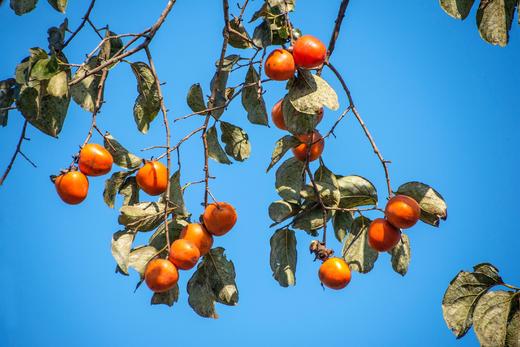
(7, 91)
(21, 7)
(130, 191)
(252, 98)
(356, 191)
(283, 257)
(401, 255)
(236, 140)
(281, 210)
(121, 246)
(113, 185)
(158, 238)
(433, 206)
(56, 36)
(85, 92)
(139, 258)
(110, 46)
(458, 9)
(195, 98)
(341, 223)
(356, 251)
(45, 103)
(281, 147)
(494, 19)
(44, 69)
(144, 216)
(309, 93)
(298, 122)
(289, 179)
(327, 185)
(213, 281)
(122, 157)
(271, 8)
(215, 150)
(166, 298)
(238, 41)
(176, 198)
(58, 5)
(310, 220)
(148, 103)
(462, 295)
(490, 318)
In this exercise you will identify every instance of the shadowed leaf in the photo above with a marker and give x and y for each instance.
(283, 257)
(122, 157)
(433, 206)
(215, 150)
(281, 147)
(356, 251)
(401, 255)
(147, 104)
(236, 140)
(252, 98)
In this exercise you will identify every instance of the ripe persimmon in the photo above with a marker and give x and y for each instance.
(219, 218)
(317, 146)
(184, 254)
(277, 115)
(334, 273)
(153, 177)
(309, 52)
(94, 160)
(383, 236)
(72, 187)
(279, 65)
(199, 236)
(402, 211)
(160, 275)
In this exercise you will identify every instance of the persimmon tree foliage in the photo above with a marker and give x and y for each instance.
(494, 17)
(494, 315)
(314, 196)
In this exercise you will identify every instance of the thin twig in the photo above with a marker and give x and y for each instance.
(384, 162)
(17, 151)
(225, 41)
(168, 155)
(85, 19)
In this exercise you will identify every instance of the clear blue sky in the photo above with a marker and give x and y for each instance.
(441, 103)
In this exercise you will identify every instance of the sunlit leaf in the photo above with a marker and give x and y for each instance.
(144, 216)
(462, 295)
(121, 246)
(58, 5)
(494, 19)
(458, 9)
(490, 318)
(289, 179)
(310, 93)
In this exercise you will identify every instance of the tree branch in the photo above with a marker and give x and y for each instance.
(15, 154)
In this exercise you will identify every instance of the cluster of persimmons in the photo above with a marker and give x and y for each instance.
(401, 211)
(308, 52)
(196, 239)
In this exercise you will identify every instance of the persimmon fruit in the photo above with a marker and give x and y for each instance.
(317, 146)
(334, 273)
(72, 187)
(160, 275)
(153, 177)
(277, 115)
(402, 211)
(279, 65)
(199, 236)
(184, 254)
(383, 236)
(309, 52)
(219, 218)
(94, 160)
